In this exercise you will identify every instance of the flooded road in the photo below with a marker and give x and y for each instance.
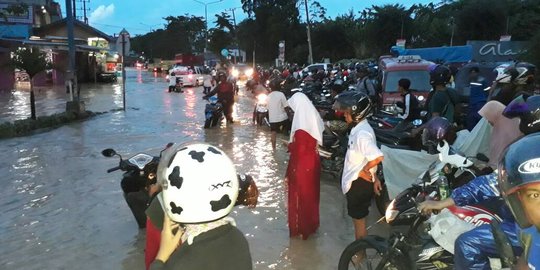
(61, 210)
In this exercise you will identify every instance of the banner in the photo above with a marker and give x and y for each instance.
(281, 46)
(24, 18)
(497, 51)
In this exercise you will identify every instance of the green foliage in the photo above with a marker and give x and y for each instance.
(182, 34)
(30, 59)
(365, 34)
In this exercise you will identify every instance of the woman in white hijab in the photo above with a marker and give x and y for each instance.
(303, 172)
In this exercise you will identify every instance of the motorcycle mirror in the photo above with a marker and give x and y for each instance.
(109, 152)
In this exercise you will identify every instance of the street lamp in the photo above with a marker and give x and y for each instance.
(206, 20)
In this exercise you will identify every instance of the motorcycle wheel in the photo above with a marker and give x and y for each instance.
(374, 256)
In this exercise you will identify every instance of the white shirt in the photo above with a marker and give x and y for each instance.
(276, 107)
(362, 148)
(172, 80)
(207, 81)
(407, 107)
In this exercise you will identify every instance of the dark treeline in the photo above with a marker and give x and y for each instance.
(364, 34)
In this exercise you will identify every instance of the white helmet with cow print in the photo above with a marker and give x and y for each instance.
(199, 183)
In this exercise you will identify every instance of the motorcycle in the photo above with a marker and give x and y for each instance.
(260, 113)
(334, 148)
(139, 175)
(213, 112)
(428, 242)
(457, 168)
(422, 246)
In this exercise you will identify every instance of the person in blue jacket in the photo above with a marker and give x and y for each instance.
(473, 248)
(477, 97)
(519, 181)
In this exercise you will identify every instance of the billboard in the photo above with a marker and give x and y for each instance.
(497, 51)
(24, 18)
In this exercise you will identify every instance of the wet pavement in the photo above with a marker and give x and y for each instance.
(61, 210)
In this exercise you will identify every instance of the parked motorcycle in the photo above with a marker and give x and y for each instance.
(334, 148)
(213, 112)
(260, 113)
(139, 174)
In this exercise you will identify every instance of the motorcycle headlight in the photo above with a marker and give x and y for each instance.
(235, 73)
(391, 213)
(262, 98)
(249, 72)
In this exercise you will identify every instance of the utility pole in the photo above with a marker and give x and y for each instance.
(74, 105)
(72, 74)
(235, 36)
(74, 8)
(84, 10)
(206, 20)
(310, 57)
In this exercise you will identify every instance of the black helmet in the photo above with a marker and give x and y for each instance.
(519, 168)
(361, 68)
(358, 104)
(436, 130)
(275, 84)
(440, 75)
(338, 85)
(527, 108)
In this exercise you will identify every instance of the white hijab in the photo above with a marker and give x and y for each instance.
(306, 117)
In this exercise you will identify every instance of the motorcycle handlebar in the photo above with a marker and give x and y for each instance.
(113, 169)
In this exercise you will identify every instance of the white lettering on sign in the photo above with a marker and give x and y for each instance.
(530, 166)
(495, 49)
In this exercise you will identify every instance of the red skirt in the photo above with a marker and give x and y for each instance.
(303, 173)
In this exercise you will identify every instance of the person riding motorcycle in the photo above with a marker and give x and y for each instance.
(225, 93)
(473, 248)
(442, 100)
(511, 81)
(519, 181)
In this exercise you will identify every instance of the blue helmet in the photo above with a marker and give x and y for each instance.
(527, 108)
(519, 168)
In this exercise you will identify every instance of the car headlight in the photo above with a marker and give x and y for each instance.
(249, 72)
(235, 73)
(391, 213)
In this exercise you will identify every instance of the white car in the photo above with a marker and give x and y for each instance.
(188, 76)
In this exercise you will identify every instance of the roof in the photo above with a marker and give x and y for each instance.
(53, 45)
(454, 54)
(77, 23)
(392, 64)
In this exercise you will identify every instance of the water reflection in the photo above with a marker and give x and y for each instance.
(60, 208)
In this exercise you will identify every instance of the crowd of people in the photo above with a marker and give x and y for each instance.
(188, 220)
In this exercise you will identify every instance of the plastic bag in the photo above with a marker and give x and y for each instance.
(446, 227)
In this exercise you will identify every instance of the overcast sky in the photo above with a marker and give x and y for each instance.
(140, 16)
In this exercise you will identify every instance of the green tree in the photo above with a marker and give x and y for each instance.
(32, 61)
(182, 34)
